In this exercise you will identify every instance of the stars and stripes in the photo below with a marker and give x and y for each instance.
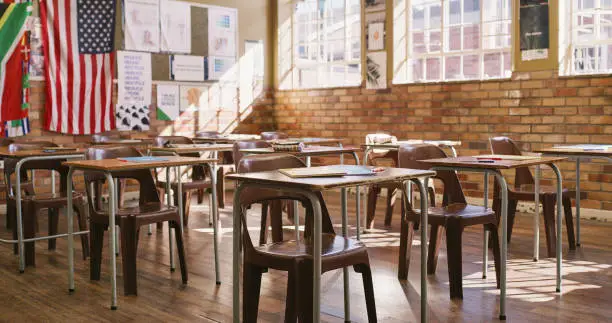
(78, 42)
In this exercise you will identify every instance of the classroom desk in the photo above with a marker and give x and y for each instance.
(472, 164)
(396, 145)
(308, 186)
(579, 152)
(312, 151)
(32, 155)
(181, 149)
(110, 167)
(225, 139)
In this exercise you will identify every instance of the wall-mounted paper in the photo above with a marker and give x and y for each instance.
(36, 55)
(141, 25)
(193, 98)
(534, 29)
(168, 102)
(374, 5)
(376, 36)
(132, 117)
(175, 26)
(376, 74)
(187, 68)
(134, 76)
(221, 32)
(221, 68)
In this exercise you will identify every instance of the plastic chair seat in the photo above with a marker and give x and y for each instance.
(331, 246)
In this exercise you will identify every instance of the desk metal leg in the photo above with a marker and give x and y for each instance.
(424, 206)
(366, 190)
(559, 224)
(170, 240)
(316, 258)
(347, 291)
(112, 207)
(485, 236)
(536, 218)
(357, 203)
(504, 243)
(236, 262)
(116, 235)
(577, 201)
(70, 216)
(19, 216)
(215, 214)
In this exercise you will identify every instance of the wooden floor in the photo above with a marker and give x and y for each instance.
(41, 293)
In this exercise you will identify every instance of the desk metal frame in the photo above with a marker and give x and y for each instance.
(237, 229)
(504, 225)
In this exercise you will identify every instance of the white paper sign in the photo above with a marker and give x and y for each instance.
(194, 98)
(187, 68)
(221, 68)
(168, 102)
(376, 70)
(221, 32)
(376, 31)
(141, 25)
(175, 26)
(134, 78)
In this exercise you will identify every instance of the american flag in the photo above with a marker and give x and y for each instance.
(78, 41)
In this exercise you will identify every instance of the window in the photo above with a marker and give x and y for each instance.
(320, 45)
(586, 37)
(445, 40)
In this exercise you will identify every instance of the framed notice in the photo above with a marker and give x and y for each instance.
(534, 29)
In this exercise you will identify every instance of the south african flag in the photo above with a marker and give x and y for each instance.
(14, 59)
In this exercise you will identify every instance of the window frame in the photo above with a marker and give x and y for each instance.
(403, 65)
(324, 62)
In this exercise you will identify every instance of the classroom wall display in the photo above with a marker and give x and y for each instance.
(193, 98)
(187, 68)
(534, 29)
(132, 117)
(134, 77)
(175, 26)
(376, 70)
(374, 5)
(220, 68)
(141, 18)
(375, 31)
(221, 32)
(168, 102)
(36, 55)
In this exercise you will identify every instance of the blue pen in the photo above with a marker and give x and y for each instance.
(486, 161)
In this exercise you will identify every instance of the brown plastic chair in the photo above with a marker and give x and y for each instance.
(5, 142)
(32, 203)
(149, 210)
(524, 190)
(198, 176)
(273, 135)
(100, 139)
(454, 215)
(293, 256)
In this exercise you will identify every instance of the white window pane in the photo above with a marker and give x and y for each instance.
(492, 65)
(471, 37)
(435, 41)
(471, 11)
(432, 69)
(435, 16)
(452, 68)
(453, 41)
(418, 43)
(454, 12)
(471, 67)
(418, 74)
(507, 64)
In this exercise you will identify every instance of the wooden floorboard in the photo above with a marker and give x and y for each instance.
(41, 293)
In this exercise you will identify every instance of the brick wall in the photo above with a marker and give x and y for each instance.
(538, 109)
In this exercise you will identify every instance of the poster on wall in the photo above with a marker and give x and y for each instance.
(221, 32)
(187, 68)
(168, 102)
(141, 18)
(175, 26)
(36, 53)
(134, 77)
(374, 5)
(534, 29)
(218, 68)
(132, 117)
(193, 98)
(376, 71)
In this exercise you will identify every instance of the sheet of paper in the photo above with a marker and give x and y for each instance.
(221, 32)
(187, 68)
(175, 26)
(141, 19)
(134, 78)
(168, 102)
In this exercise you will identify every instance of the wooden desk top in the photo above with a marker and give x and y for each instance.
(5, 153)
(231, 138)
(314, 140)
(473, 162)
(113, 165)
(577, 151)
(124, 142)
(196, 148)
(325, 183)
(395, 145)
(307, 152)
